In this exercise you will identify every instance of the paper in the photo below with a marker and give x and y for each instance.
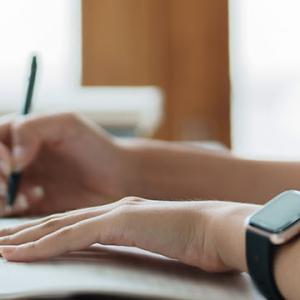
(111, 270)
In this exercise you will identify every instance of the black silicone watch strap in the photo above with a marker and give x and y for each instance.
(260, 264)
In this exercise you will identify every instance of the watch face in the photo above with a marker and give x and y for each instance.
(279, 214)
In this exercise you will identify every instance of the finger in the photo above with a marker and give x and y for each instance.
(35, 193)
(14, 229)
(2, 198)
(5, 169)
(20, 206)
(70, 238)
(3, 188)
(108, 228)
(26, 196)
(5, 161)
(30, 133)
(37, 231)
(5, 127)
(17, 228)
(124, 226)
(25, 200)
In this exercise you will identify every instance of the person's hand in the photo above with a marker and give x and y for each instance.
(196, 233)
(66, 161)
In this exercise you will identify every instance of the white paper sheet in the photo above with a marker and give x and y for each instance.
(118, 271)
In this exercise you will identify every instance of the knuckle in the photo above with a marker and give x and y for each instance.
(54, 216)
(52, 223)
(62, 233)
(127, 207)
(131, 201)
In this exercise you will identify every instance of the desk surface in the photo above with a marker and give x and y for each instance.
(119, 271)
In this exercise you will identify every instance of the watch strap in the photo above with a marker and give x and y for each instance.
(260, 252)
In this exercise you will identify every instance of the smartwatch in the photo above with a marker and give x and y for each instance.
(275, 224)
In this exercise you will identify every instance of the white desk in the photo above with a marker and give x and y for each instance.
(120, 271)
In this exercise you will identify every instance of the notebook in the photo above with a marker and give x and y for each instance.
(117, 271)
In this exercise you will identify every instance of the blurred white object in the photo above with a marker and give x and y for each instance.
(52, 29)
(265, 72)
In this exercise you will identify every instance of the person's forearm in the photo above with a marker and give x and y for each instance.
(230, 236)
(165, 170)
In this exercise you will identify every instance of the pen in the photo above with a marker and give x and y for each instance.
(15, 178)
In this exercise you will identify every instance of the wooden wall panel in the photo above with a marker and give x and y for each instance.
(199, 81)
(120, 42)
(181, 46)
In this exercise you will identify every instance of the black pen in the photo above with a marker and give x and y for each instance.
(15, 178)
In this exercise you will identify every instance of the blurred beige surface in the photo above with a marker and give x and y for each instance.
(110, 270)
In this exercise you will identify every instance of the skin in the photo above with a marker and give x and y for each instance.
(41, 154)
(207, 234)
(57, 177)
(44, 146)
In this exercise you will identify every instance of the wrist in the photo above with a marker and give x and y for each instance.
(141, 172)
(230, 233)
(127, 176)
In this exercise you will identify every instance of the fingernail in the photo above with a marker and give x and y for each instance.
(38, 192)
(5, 167)
(21, 202)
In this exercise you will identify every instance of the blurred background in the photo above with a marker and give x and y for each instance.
(212, 71)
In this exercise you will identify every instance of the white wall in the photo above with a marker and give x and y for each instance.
(52, 29)
(265, 70)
